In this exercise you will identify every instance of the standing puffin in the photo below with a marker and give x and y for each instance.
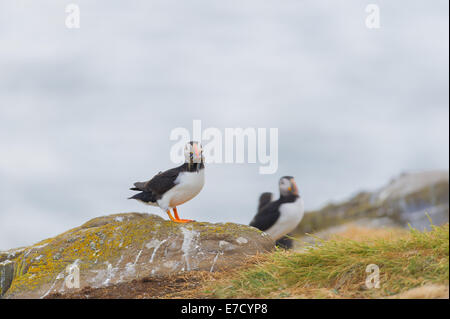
(280, 217)
(175, 186)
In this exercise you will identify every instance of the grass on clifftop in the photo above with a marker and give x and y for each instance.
(337, 269)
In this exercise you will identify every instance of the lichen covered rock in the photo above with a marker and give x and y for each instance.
(123, 247)
(6, 275)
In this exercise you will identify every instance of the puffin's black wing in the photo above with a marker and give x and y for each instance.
(160, 183)
(146, 197)
(267, 216)
(264, 199)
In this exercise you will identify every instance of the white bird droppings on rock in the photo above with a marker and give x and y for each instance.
(214, 261)
(224, 245)
(155, 244)
(129, 269)
(241, 240)
(137, 257)
(188, 239)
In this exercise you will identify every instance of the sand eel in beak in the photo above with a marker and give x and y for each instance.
(278, 218)
(175, 186)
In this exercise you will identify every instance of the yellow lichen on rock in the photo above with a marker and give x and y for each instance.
(122, 246)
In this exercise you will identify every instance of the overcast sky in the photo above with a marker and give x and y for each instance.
(86, 112)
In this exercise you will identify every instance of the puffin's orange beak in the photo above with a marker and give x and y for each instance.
(294, 187)
(196, 149)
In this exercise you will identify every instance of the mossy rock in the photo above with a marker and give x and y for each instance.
(6, 275)
(123, 247)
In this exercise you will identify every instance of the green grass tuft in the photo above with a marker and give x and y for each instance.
(339, 266)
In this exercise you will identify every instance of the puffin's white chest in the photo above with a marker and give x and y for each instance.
(188, 185)
(291, 215)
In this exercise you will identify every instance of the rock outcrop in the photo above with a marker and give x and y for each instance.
(121, 248)
(406, 200)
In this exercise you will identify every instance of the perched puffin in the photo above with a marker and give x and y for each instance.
(278, 218)
(175, 186)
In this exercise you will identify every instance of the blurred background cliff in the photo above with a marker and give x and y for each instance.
(411, 200)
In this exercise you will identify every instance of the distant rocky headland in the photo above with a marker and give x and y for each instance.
(411, 199)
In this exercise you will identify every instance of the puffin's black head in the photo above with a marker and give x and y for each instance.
(193, 152)
(288, 186)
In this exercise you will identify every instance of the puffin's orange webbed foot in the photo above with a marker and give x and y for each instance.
(170, 216)
(178, 219)
(186, 220)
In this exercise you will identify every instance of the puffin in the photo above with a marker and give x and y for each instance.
(279, 217)
(175, 186)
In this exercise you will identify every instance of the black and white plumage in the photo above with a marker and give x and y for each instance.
(278, 218)
(175, 186)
